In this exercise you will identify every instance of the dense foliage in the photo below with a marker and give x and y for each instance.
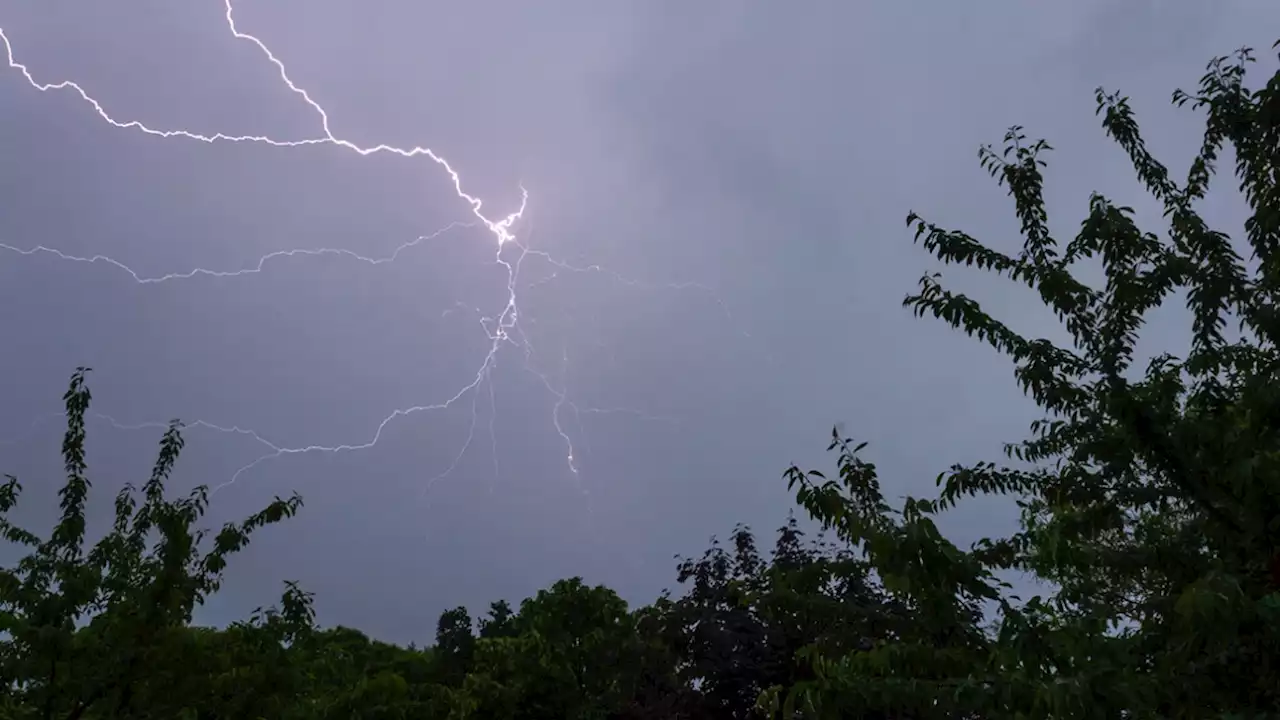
(106, 632)
(1149, 498)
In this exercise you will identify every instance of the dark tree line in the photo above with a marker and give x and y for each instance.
(106, 632)
(1149, 499)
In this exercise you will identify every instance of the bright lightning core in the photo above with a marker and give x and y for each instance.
(502, 328)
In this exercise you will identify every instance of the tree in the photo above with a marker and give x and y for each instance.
(87, 634)
(738, 630)
(455, 645)
(1149, 497)
(500, 621)
(572, 653)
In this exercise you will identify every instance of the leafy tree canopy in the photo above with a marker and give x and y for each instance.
(1149, 496)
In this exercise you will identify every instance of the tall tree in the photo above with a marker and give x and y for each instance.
(1149, 497)
(83, 632)
(740, 628)
(572, 653)
(455, 644)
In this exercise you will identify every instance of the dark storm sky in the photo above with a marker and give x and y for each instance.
(748, 164)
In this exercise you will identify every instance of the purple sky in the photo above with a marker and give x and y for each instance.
(739, 172)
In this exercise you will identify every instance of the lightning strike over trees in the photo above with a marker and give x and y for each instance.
(1148, 498)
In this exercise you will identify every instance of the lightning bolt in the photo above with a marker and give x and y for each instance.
(502, 328)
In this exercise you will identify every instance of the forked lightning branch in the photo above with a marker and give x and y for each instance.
(502, 327)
